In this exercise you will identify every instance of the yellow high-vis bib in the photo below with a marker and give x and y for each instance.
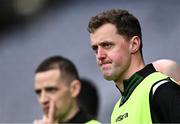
(136, 110)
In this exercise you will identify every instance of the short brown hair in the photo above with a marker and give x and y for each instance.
(127, 25)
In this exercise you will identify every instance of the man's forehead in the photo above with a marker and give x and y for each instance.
(47, 74)
(50, 77)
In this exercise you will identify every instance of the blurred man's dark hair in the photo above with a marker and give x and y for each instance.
(88, 98)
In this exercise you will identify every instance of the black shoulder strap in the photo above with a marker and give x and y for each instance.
(153, 90)
(157, 84)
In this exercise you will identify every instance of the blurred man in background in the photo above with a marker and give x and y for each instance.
(57, 86)
(168, 67)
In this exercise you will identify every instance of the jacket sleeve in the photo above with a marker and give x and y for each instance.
(165, 103)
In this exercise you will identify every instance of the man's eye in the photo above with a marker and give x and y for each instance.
(94, 48)
(107, 45)
(38, 92)
(51, 89)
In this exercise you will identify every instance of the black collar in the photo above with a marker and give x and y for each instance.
(131, 83)
(80, 117)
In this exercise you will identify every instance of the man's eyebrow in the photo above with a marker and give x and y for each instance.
(105, 42)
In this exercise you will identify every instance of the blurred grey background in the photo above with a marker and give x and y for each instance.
(32, 30)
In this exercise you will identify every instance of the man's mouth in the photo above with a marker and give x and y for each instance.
(105, 66)
(104, 63)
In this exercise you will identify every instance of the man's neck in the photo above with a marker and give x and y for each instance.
(134, 67)
(70, 114)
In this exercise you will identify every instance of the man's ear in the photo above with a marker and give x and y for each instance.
(75, 88)
(135, 44)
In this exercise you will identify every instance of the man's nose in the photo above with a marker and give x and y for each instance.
(101, 54)
(44, 98)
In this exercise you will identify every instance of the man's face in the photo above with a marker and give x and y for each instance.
(112, 51)
(49, 87)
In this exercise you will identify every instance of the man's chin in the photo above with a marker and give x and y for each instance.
(107, 77)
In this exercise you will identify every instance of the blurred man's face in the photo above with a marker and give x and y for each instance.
(50, 87)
